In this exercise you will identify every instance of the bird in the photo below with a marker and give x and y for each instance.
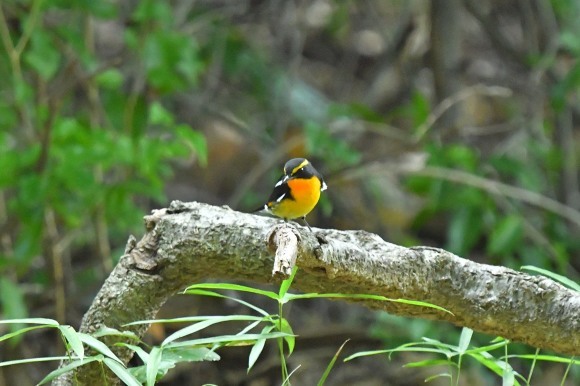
(297, 191)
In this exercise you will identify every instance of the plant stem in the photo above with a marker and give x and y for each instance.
(281, 347)
(566, 372)
(458, 370)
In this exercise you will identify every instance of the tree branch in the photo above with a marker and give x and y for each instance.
(190, 242)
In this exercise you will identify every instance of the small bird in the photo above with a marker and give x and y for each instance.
(297, 192)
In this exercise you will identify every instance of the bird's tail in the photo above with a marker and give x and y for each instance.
(259, 209)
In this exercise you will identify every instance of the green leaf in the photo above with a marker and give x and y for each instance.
(428, 363)
(12, 301)
(506, 236)
(554, 276)
(336, 151)
(289, 297)
(172, 61)
(23, 91)
(158, 115)
(440, 375)
(493, 364)
(233, 287)
(215, 294)
(548, 358)
(355, 110)
(257, 348)
(290, 337)
(107, 331)
(565, 87)
(189, 354)
(285, 285)
(366, 354)
(204, 324)
(170, 357)
(8, 119)
(462, 157)
(491, 347)
(444, 346)
(419, 108)
(42, 56)
(244, 340)
(464, 339)
(153, 365)
(407, 347)
(69, 367)
(98, 346)
(32, 360)
(111, 79)
(122, 372)
(508, 377)
(186, 319)
(73, 340)
(20, 332)
(195, 140)
(570, 41)
(151, 10)
(331, 364)
(253, 325)
(464, 230)
(144, 356)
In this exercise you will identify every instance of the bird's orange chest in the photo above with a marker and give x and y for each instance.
(305, 191)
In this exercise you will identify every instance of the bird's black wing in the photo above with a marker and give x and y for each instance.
(281, 190)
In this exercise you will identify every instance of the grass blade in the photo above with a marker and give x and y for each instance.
(258, 348)
(45, 321)
(69, 367)
(206, 323)
(20, 332)
(233, 287)
(74, 342)
(32, 360)
(547, 358)
(246, 339)
(153, 365)
(418, 303)
(122, 372)
(98, 346)
(200, 292)
(285, 286)
(464, 340)
(331, 364)
(554, 276)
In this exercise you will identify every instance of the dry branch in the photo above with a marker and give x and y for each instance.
(191, 242)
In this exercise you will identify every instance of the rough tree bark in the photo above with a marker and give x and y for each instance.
(191, 242)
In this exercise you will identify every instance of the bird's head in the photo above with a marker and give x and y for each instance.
(301, 168)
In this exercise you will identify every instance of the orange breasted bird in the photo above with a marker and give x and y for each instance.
(297, 192)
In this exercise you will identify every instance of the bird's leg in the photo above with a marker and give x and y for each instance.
(306, 222)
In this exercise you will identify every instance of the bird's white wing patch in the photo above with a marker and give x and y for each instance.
(281, 181)
(324, 186)
(281, 197)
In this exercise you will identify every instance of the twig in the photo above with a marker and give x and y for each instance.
(494, 34)
(464, 178)
(447, 103)
(283, 240)
(496, 187)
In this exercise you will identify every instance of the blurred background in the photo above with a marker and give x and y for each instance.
(449, 123)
